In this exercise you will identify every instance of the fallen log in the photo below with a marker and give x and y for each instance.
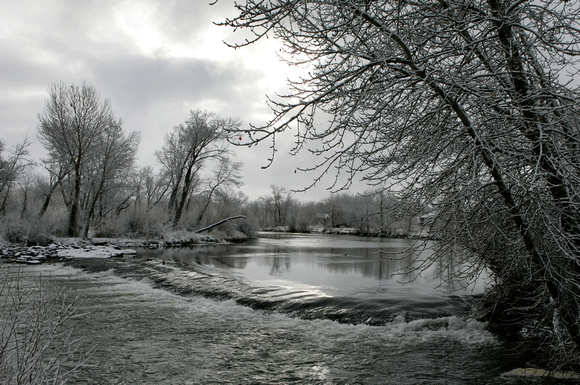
(219, 223)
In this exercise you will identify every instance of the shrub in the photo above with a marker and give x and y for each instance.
(35, 345)
(25, 231)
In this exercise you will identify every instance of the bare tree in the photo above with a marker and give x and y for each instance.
(69, 128)
(225, 176)
(57, 170)
(155, 186)
(110, 172)
(278, 204)
(76, 127)
(11, 169)
(200, 139)
(35, 345)
(464, 106)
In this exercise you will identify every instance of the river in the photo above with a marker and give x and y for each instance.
(281, 309)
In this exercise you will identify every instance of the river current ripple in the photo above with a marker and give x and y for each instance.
(253, 314)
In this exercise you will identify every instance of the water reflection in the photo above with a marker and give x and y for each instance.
(278, 265)
(321, 259)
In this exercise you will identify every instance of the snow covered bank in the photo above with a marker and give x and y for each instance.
(60, 251)
(67, 248)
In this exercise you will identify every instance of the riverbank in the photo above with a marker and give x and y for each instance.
(351, 231)
(62, 249)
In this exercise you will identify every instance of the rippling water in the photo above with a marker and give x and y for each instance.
(273, 311)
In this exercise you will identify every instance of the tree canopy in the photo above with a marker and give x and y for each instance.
(85, 143)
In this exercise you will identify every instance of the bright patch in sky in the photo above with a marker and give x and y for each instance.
(155, 61)
(138, 22)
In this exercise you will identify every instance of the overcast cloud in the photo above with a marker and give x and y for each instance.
(155, 61)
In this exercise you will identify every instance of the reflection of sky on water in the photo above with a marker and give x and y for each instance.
(339, 264)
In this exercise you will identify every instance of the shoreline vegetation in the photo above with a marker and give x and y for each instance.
(57, 249)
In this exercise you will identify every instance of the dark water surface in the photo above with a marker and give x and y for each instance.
(287, 309)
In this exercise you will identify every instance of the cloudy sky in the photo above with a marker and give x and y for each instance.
(155, 61)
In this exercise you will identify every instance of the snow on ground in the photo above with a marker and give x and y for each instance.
(94, 252)
(60, 251)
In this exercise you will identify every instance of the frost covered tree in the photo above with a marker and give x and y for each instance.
(36, 344)
(11, 169)
(86, 146)
(466, 105)
(110, 173)
(224, 177)
(200, 139)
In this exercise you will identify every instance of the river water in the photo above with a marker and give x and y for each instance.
(281, 309)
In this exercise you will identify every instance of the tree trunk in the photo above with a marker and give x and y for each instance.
(24, 203)
(172, 199)
(47, 199)
(564, 297)
(3, 205)
(205, 206)
(184, 194)
(74, 208)
(89, 214)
